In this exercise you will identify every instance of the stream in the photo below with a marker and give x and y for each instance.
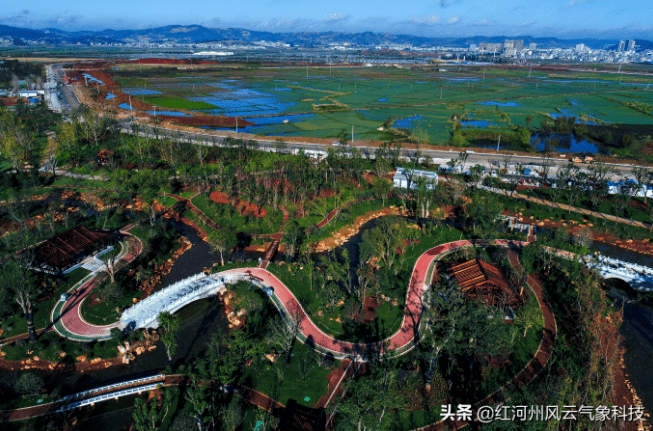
(637, 326)
(201, 320)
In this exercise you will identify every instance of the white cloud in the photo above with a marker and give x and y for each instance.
(577, 2)
(484, 22)
(454, 20)
(337, 17)
(529, 23)
(429, 20)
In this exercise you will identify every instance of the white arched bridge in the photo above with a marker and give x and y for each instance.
(639, 277)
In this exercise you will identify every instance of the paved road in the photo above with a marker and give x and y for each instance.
(439, 156)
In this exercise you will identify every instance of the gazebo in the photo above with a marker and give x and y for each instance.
(68, 248)
(482, 281)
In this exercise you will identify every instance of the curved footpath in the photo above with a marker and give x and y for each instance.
(66, 315)
(529, 372)
(72, 325)
(401, 338)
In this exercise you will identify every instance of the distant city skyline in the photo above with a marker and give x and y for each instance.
(430, 18)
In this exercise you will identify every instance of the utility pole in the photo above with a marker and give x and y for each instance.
(236, 124)
(352, 134)
(86, 80)
(498, 143)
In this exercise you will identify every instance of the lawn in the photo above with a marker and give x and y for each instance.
(348, 215)
(105, 312)
(264, 379)
(176, 103)
(51, 346)
(16, 324)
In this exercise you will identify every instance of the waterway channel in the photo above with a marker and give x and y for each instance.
(637, 325)
(201, 320)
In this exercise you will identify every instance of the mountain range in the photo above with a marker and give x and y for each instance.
(194, 34)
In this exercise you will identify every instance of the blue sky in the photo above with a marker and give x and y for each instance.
(433, 18)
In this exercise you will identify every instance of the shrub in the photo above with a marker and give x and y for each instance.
(29, 383)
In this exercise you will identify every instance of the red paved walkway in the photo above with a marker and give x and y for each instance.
(71, 318)
(400, 339)
(530, 371)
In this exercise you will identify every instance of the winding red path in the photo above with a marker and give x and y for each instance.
(401, 339)
(70, 320)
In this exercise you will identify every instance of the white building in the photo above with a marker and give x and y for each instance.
(402, 178)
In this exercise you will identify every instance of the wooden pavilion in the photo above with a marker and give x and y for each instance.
(68, 248)
(482, 281)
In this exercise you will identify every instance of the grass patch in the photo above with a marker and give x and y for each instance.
(177, 103)
(265, 380)
(51, 346)
(105, 312)
(16, 324)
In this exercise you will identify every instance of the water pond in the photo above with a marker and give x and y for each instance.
(564, 143)
(140, 91)
(408, 122)
(504, 104)
(477, 123)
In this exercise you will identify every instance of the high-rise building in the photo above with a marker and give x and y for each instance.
(622, 46)
(473, 47)
(580, 47)
(631, 45)
(516, 44)
(532, 45)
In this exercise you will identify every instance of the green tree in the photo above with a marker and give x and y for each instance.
(368, 400)
(381, 188)
(293, 236)
(306, 361)
(145, 415)
(170, 324)
(19, 280)
(222, 239)
(527, 317)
